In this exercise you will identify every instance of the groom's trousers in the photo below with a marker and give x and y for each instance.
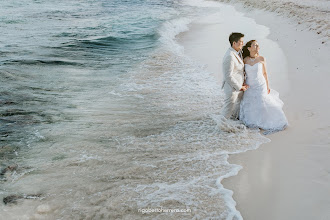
(232, 102)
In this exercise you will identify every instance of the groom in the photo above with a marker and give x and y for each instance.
(233, 76)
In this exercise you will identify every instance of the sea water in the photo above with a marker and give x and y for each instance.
(103, 114)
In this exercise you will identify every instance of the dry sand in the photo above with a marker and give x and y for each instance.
(308, 14)
(288, 178)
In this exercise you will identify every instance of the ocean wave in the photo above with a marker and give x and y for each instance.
(42, 62)
(112, 43)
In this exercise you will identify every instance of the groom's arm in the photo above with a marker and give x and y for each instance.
(228, 68)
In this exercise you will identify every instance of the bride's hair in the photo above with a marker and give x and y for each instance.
(246, 52)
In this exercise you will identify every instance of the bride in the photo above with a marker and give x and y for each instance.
(260, 107)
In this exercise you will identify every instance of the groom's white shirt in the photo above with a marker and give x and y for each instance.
(233, 69)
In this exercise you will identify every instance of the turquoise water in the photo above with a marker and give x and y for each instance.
(103, 114)
(52, 52)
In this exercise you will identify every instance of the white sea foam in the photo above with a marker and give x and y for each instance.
(203, 3)
(170, 30)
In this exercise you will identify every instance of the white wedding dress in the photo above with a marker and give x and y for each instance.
(258, 109)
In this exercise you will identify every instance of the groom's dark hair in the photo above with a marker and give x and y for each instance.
(234, 37)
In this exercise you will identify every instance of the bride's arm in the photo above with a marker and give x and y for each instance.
(265, 74)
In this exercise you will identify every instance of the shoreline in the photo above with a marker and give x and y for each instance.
(279, 176)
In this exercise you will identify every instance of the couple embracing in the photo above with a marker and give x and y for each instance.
(247, 93)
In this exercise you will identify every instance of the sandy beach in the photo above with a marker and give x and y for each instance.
(287, 178)
(307, 14)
